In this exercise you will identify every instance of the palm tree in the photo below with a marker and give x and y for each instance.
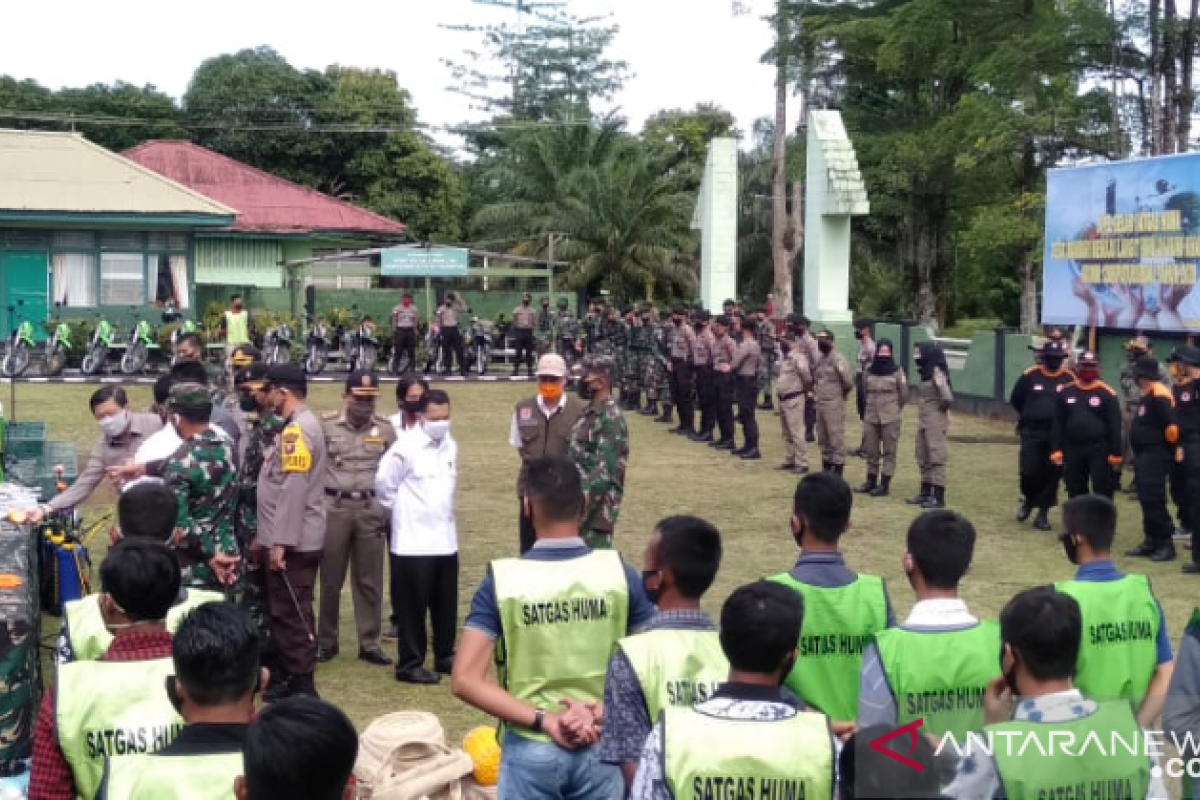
(627, 230)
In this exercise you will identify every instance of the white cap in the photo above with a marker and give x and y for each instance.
(552, 366)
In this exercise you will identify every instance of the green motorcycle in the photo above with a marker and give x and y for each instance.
(19, 351)
(98, 347)
(57, 350)
(137, 352)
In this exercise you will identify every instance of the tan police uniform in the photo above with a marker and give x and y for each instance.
(886, 396)
(356, 526)
(833, 385)
(795, 381)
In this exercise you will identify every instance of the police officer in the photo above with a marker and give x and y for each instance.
(682, 345)
(723, 378)
(703, 345)
(524, 318)
(1086, 435)
(405, 321)
(800, 325)
(866, 355)
(544, 657)
(1154, 435)
(452, 340)
(748, 727)
(832, 384)
(541, 428)
(1035, 399)
(745, 366)
(795, 382)
(886, 389)
(291, 528)
(935, 397)
(355, 526)
(1186, 475)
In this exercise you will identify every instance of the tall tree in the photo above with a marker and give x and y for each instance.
(152, 114)
(677, 141)
(787, 224)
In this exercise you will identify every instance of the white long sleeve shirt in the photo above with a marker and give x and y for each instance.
(416, 482)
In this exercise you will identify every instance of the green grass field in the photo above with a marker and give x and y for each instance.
(749, 502)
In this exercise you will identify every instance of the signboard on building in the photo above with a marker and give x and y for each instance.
(1122, 245)
(422, 262)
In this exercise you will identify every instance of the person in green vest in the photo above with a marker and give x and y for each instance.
(300, 748)
(749, 739)
(677, 660)
(1038, 721)
(145, 511)
(217, 675)
(117, 706)
(550, 620)
(1126, 651)
(844, 609)
(936, 665)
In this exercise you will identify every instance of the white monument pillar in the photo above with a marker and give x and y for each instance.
(834, 192)
(716, 218)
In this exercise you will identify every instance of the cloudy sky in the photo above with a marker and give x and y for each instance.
(680, 51)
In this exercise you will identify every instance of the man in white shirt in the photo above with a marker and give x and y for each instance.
(541, 428)
(416, 481)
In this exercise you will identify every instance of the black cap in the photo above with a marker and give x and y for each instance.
(722, 320)
(362, 384)
(1089, 358)
(287, 376)
(245, 355)
(679, 310)
(1055, 347)
(1187, 354)
(1146, 367)
(252, 376)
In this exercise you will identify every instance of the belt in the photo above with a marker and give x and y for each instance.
(783, 398)
(367, 495)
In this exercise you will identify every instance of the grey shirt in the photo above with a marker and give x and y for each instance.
(108, 453)
(291, 486)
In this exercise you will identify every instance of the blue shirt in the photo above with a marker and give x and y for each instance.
(1104, 571)
(484, 615)
(828, 570)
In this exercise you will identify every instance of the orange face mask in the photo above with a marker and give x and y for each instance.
(551, 393)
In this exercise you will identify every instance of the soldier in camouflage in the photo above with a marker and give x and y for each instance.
(202, 475)
(655, 378)
(599, 449)
(631, 362)
(764, 332)
(608, 332)
(1131, 397)
(567, 333)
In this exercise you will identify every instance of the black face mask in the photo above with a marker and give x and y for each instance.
(412, 406)
(653, 595)
(1052, 362)
(585, 391)
(788, 666)
(173, 695)
(1010, 677)
(247, 403)
(1070, 548)
(825, 347)
(858, 334)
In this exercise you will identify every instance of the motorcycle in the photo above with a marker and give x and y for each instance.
(434, 357)
(19, 350)
(98, 347)
(277, 345)
(316, 348)
(137, 351)
(186, 326)
(361, 347)
(57, 349)
(479, 354)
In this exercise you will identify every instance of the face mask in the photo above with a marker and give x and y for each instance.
(524, 302)
(1088, 374)
(545, 306)
(880, 358)
(788, 666)
(359, 414)
(437, 429)
(173, 695)
(406, 302)
(586, 392)
(825, 347)
(247, 403)
(115, 425)
(1010, 677)
(550, 393)
(655, 594)
(858, 334)
(918, 360)
(1052, 362)
(1070, 548)
(412, 406)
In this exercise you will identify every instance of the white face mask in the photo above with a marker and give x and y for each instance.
(115, 425)
(437, 429)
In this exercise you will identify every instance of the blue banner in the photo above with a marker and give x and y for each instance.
(421, 262)
(1122, 244)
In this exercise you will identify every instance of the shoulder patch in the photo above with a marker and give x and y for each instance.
(293, 451)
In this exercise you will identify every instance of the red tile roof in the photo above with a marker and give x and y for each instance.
(265, 203)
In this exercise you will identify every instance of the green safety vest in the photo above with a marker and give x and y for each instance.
(559, 623)
(237, 328)
(1040, 761)
(85, 624)
(111, 710)
(1119, 652)
(676, 667)
(838, 624)
(706, 756)
(941, 676)
(207, 777)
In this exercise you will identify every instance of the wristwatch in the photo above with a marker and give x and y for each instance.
(539, 716)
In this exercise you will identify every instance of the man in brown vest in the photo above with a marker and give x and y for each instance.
(541, 427)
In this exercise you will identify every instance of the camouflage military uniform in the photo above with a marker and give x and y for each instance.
(639, 351)
(260, 432)
(600, 450)
(567, 332)
(1131, 397)
(654, 370)
(202, 474)
(765, 333)
(607, 334)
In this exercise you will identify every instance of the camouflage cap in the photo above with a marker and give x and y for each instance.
(252, 376)
(563, 302)
(1138, 344)
(190, 397)
(244, 355)
(598, 365)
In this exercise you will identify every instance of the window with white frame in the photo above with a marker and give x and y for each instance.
(122, 279)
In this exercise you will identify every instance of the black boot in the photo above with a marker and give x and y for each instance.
(936, 500)
(665, 416)
(826, 466)
(882, 490)
(739, 450)
(919, 499)
(751, 453)
(280, 687)
(870, 486)
(1164, 552)
(1042, 520)
(702, 436)
(303, 686)
(651, 408)
(1024, 510)
(767, 404)
(724, 444)
(838, 469)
